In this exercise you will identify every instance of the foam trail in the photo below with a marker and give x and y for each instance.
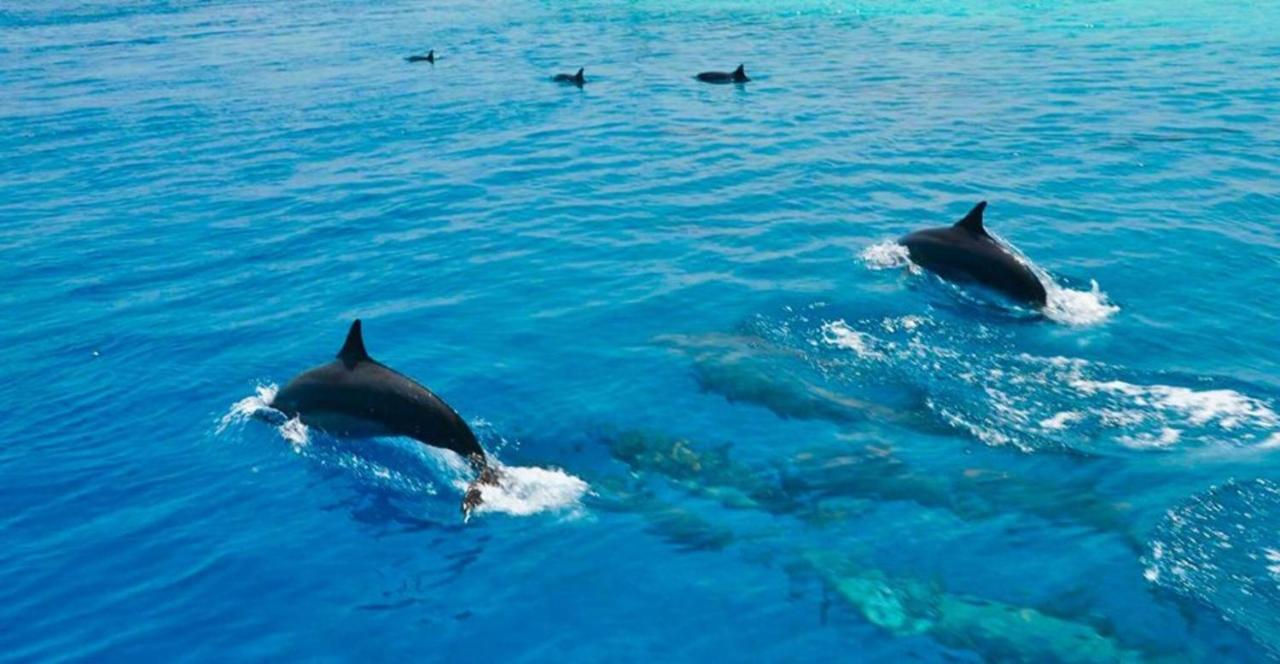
(838, 333)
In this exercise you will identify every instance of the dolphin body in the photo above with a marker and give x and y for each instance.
(355, 396)
(576, 79)
(738, 75)
(429, 57)
(965, 253)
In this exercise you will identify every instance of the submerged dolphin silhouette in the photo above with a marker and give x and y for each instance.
(577, 79)
(738, 75)
(965, 253)
(356, 396)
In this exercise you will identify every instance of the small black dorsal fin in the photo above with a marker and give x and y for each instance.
(353, 348)
(741, 70)
(972, 222)
(578, 76)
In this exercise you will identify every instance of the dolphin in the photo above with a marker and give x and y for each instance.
(355, 396)
(429, 57)
(738, 75)
(577, 79)
(965, 253)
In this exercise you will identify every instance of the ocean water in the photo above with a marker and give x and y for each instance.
(736, 423)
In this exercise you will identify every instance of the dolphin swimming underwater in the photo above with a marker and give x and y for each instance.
(965, 253)
(738, 75)
(429, 57)
(577, 79)
(355, 396)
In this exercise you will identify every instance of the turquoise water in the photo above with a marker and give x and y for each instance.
(736, 424)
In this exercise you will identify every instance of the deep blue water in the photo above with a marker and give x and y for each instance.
(736, 424)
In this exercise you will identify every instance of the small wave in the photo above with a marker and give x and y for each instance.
(885, 255)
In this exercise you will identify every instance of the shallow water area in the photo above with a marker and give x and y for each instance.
(674, 313)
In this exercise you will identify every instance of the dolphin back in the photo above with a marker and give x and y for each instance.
(965, 253)
(355, 395)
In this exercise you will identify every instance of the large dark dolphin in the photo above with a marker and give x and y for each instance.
(738, 75)
(577, 79)
(358, 397)
(965, 253)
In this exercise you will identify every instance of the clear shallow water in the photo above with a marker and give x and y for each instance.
(197, 199)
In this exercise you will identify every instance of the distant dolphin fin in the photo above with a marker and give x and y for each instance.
(578, 76)
(353, 351)
(972, 222)
(741, 70)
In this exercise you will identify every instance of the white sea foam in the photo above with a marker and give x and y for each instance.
(838, 333)
(903, 323)
(294, 431)
(1227, 409)
(885, 255)
(1060, 421)
(1166, 438)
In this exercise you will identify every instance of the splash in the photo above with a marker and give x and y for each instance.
(248, 407)
(258, 406)
(1076, 307)
(885, 255)
(528, 490)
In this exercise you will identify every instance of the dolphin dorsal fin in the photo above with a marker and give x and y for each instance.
(740, 71)
(578, 76)
(972, 222)
(353, 351)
